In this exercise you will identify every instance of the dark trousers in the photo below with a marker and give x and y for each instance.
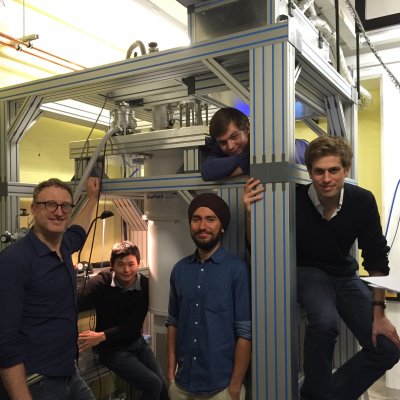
(325, 299)
(137, 365)
(60, 388)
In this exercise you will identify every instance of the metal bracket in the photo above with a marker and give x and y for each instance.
(228, 79)
(279, 172)
(191, 84)
(3, 189)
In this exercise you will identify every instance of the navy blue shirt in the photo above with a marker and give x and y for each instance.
(218, 165)
(38, 324)
(210, 305)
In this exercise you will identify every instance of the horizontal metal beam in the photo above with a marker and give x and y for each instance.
(129, 186)
(186, 137)
(166, 62)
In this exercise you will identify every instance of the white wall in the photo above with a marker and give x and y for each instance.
(390, 112)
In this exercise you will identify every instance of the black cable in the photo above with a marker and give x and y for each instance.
(87, 144)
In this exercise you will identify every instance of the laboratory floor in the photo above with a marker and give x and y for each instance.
(379, 391)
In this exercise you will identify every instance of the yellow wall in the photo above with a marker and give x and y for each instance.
(44, 151)
(44, 154)
(369, 146)
(369, 143)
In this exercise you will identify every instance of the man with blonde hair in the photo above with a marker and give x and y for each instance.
(330, 216)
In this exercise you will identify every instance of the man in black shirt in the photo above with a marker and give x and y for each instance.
(330, 216)
(120, 297)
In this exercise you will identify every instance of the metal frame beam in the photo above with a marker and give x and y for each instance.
(274, 366)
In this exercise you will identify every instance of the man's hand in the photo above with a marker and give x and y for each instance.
(382, 326)
(252, 192)
(234, 392)
(170, 377)
(236, 172)
(88, 339)
(93, 187)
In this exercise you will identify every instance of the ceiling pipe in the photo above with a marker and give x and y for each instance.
(16, 44)
(37, 55)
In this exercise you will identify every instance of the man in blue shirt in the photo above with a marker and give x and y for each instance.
(227, 154)
(38, 327)
(209, 314)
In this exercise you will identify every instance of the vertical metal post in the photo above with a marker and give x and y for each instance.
(234, 239)
(9, 205)
(337, 27)
(358, 60)
(274, 362)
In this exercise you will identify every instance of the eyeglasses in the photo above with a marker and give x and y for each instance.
(52, 206)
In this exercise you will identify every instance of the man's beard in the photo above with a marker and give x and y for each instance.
(206, 246)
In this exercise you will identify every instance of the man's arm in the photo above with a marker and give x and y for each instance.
(374, 251)
(13, 279)
(14, 381)
(252, 193)
(171, 352)
(218, 165)
(240, 365)
(86, 215)
(89, 339)
(381, 324)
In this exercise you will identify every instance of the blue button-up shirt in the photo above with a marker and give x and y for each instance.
(210, 305)
(38, 326)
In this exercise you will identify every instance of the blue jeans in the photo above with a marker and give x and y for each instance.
(327, 298)
(137, 365)
(61, 388)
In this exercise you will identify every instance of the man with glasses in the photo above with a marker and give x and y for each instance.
(38, 328)
(227, 154)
